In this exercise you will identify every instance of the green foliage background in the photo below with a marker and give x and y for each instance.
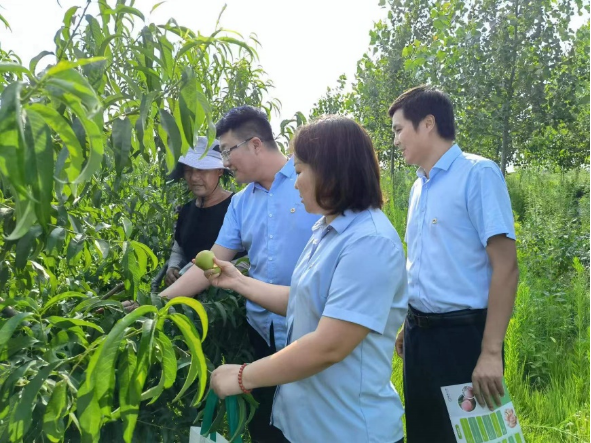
(86, 214)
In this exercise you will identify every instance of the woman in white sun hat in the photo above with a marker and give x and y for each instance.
(200, 219)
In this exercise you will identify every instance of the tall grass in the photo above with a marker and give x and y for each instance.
(547, 343)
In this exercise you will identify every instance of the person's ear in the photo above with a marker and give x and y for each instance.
(429, 122)
(257, 143)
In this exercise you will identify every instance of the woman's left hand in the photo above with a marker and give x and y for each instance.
(224, 381)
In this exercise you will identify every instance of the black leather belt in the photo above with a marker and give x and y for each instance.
(454, 318)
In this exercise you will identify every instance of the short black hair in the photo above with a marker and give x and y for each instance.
(345, 165)
(247, 121)
(421, 101)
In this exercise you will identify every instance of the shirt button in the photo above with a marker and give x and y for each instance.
(270, 195)
(270, 281)
(270, 258)
(270, 215)
(271, 236)
(434, 221)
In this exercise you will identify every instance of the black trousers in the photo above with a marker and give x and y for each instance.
(439, 350)
(261, 431)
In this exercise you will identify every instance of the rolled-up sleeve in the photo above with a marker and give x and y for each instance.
(177, 257)
(367, 277)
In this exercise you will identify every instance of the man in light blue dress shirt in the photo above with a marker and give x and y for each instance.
(462, 266)
(266, 219)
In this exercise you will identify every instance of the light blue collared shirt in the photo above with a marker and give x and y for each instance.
(451, 216)
(273, 227)
(351, 270)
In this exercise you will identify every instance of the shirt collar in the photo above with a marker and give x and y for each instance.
(445, 161)
(288, 171)
(339, 224)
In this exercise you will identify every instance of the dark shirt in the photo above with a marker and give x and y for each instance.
(198, 228)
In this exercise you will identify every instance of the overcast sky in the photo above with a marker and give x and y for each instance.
(306, 44)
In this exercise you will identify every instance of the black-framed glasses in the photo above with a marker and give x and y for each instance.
(226, 152)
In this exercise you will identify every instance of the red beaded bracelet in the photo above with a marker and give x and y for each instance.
(246, 391)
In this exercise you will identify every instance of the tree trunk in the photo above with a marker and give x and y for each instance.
(506, 148)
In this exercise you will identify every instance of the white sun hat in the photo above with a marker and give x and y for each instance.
(195, 159)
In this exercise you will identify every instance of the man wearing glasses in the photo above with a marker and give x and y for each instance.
(268, 221)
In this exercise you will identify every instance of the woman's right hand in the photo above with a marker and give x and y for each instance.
(229, 276)
(172, 275)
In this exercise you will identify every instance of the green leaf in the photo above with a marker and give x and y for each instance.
(9, 327)
(95, 158)
(12, 163)
(121, 139)
(24, 222)
(193, 304)
(18, 344)
(222, 312)
(169, 361)
(177, 118)
(12, 158)
(75, 247)
(106, 42)
(60, 125)
(57, 408)
(36, 59)
(122, 9)
(25, 245)
(198, 368)
(74, 83)
(239, 427)
(21, 416)
(132, 274)
(39, 162)
(103, 247)
(194, 42)
(54, 300)
(140, 124)
(138, 379)
(106, 361)
(137, 245)
(8, 384)
(239, 43)
(3, 20)
(169, 368)
(99, 382)
(95, 303)
(188, 106)
(65, 323)
(127, 226)
(174, 141)
(125, 369)
(68, 16)
(203, 110)
(65, 65)
(168, 62)
(156, 6)
(14, 67)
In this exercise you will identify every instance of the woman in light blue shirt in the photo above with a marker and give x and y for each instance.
(346, 302)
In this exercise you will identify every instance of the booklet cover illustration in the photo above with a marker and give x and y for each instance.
(475, 424)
